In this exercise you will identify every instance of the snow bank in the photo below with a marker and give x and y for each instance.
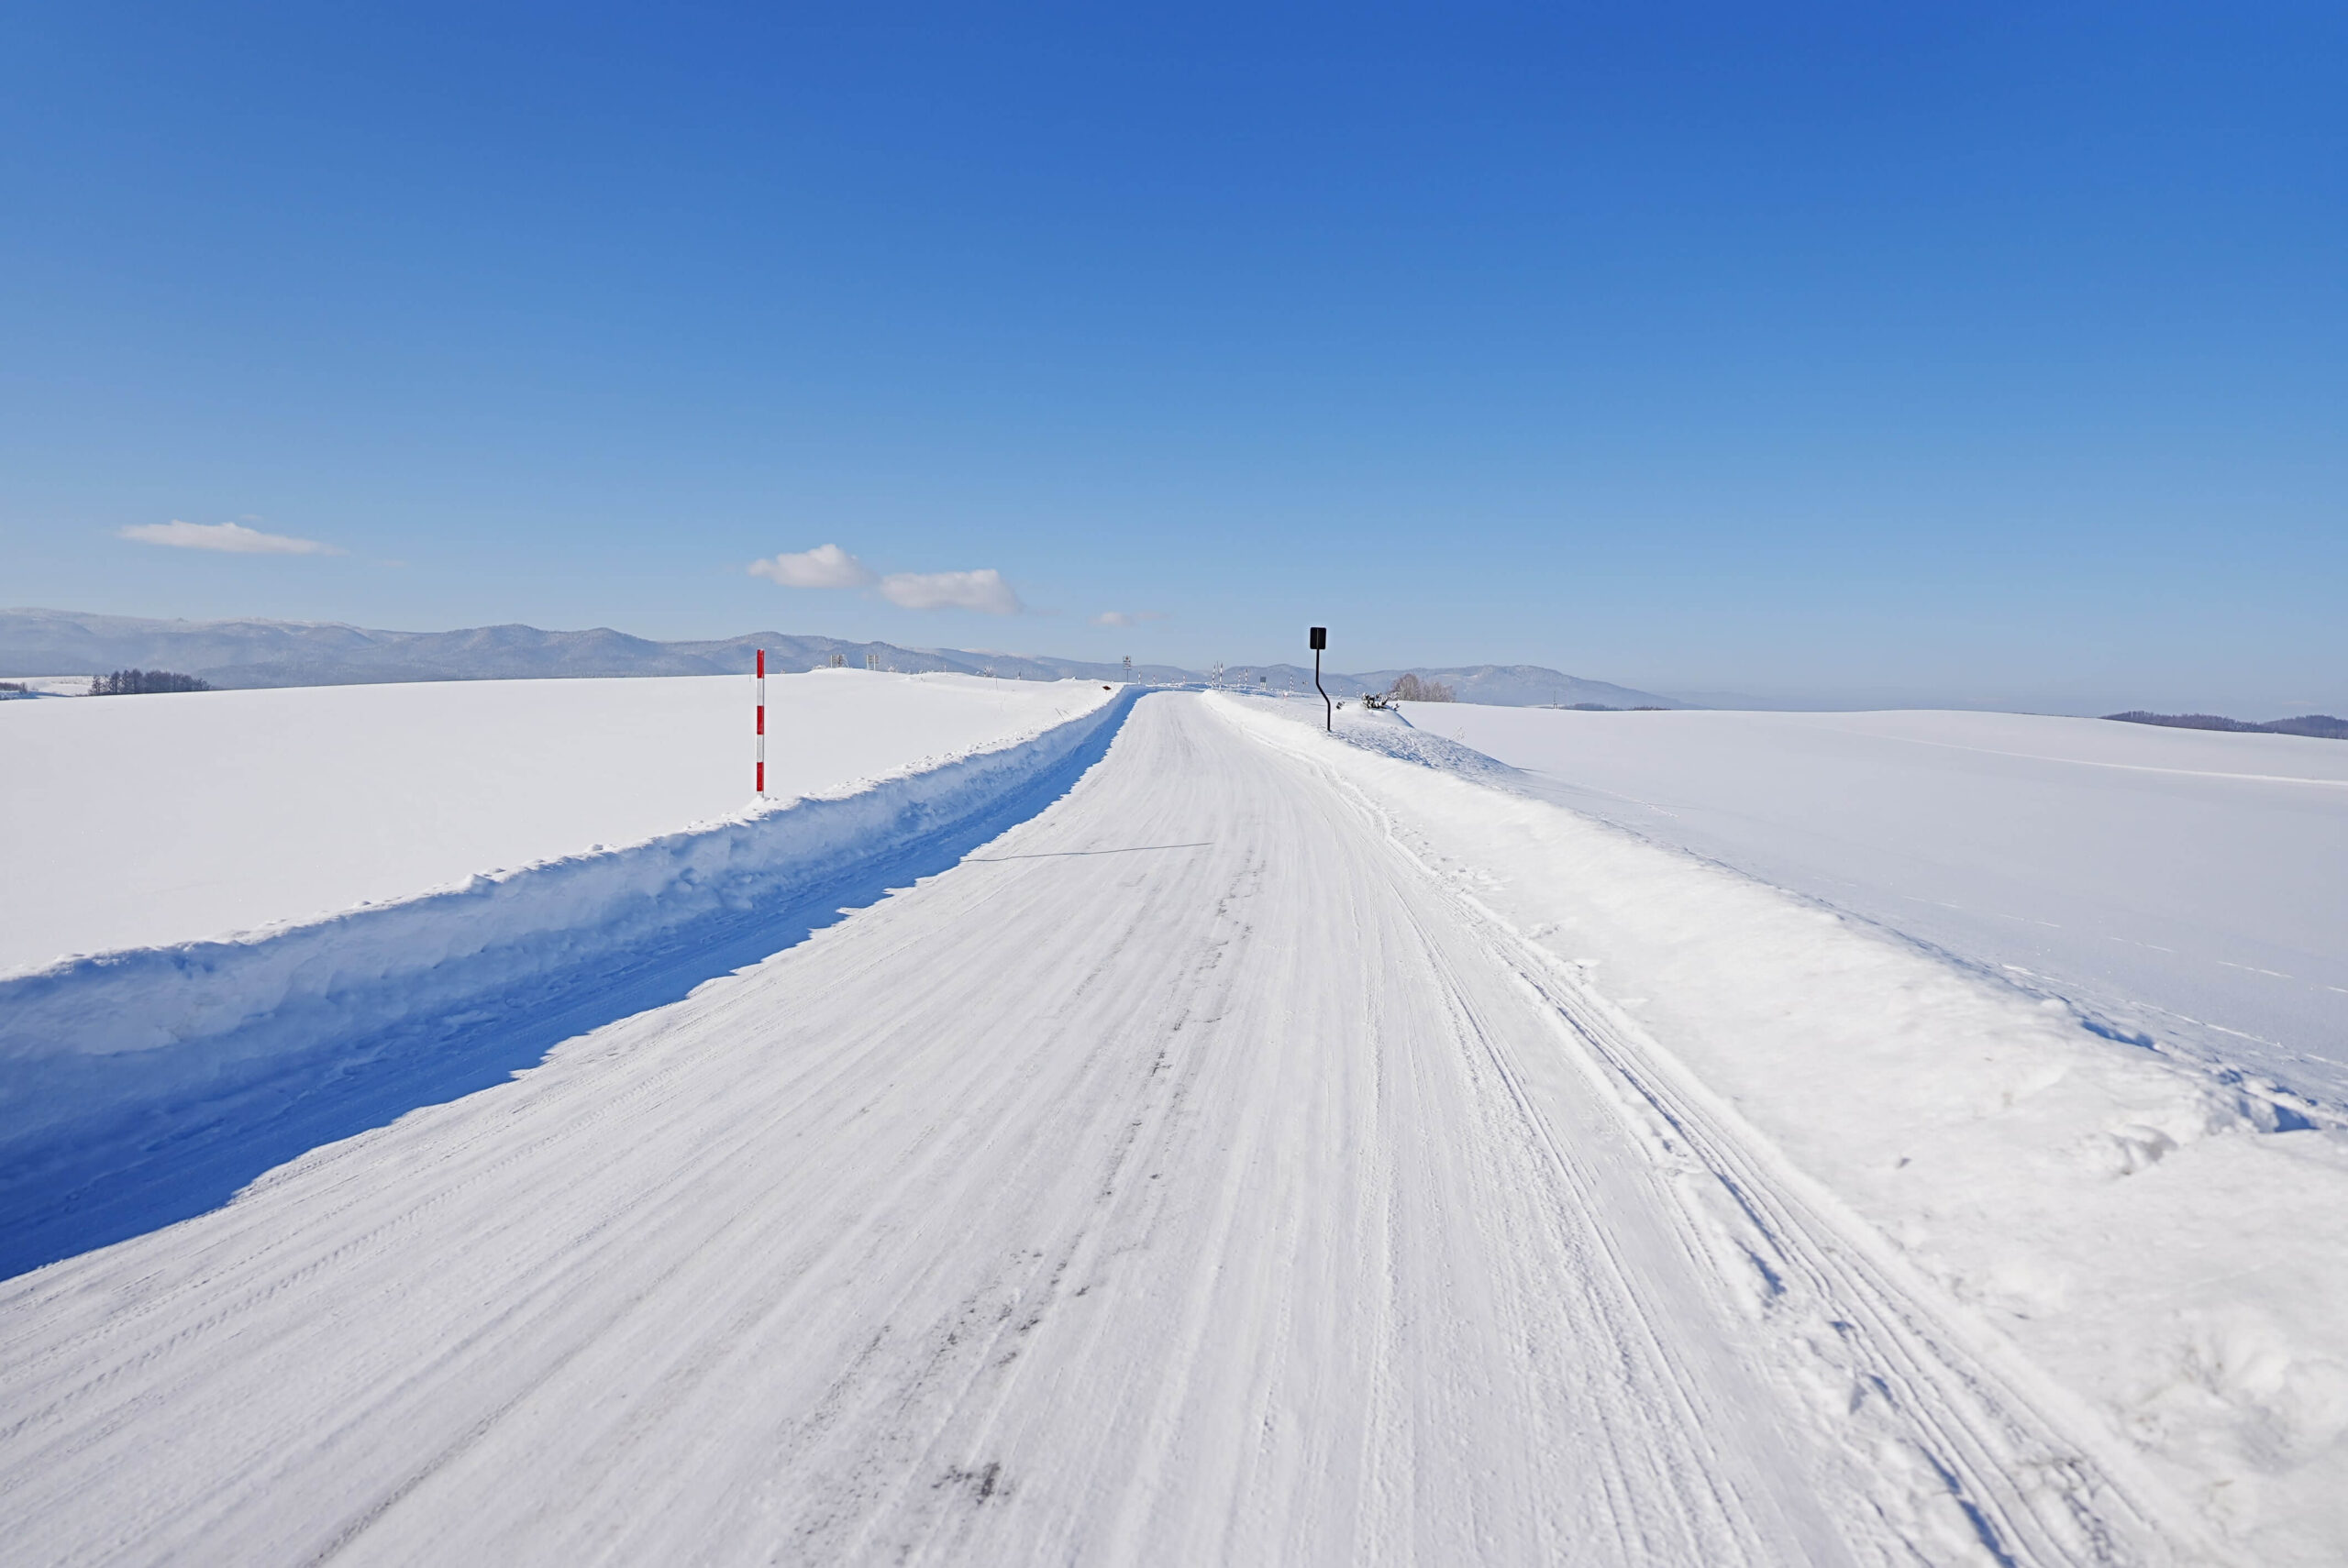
(2188, 890)
(135, 822)
(200, 1013)
(2168, 1242)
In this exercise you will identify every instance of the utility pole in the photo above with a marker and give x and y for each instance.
(1328, 714)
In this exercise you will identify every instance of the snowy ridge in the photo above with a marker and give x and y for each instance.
(198, 1013)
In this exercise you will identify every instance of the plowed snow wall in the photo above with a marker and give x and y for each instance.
(207, 1011)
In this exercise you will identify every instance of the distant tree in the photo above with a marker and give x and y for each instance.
(1411, 689)
(144, 682)
(2181, 721)
(2323, 726)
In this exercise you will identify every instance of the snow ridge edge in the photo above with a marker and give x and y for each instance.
(206, 1009)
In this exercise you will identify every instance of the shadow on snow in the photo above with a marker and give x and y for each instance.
(164, 1162)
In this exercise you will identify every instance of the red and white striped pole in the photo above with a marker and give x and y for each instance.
(762, 721)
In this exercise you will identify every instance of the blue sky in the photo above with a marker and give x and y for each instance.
(1938, 352)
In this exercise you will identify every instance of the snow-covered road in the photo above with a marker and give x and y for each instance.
(1191, 1174)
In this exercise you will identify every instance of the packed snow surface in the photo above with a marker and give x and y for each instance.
(132, 822)
(2188, 887)
(1269, 1149)
(2162, 1235)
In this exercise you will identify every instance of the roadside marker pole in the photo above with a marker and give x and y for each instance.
(1328, 714)
(762, 721)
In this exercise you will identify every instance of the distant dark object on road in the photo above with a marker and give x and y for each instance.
(143, 682)
(2323, 726)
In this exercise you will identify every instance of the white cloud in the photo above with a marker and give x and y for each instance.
(1126, 617)
(829, 565)
(983, 590)
(825, 566)
(233, 537)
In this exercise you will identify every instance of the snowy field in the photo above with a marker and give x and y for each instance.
(1169, 1135)
(139, 820)
(2183, 886)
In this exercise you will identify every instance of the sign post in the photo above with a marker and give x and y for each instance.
(1328, 714)
(762, 721)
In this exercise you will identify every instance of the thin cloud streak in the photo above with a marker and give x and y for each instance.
(983, 590)
(232, 539)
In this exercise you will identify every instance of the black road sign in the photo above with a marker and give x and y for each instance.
(1328, 714)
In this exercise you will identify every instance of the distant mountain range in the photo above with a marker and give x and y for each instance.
(244, 654)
